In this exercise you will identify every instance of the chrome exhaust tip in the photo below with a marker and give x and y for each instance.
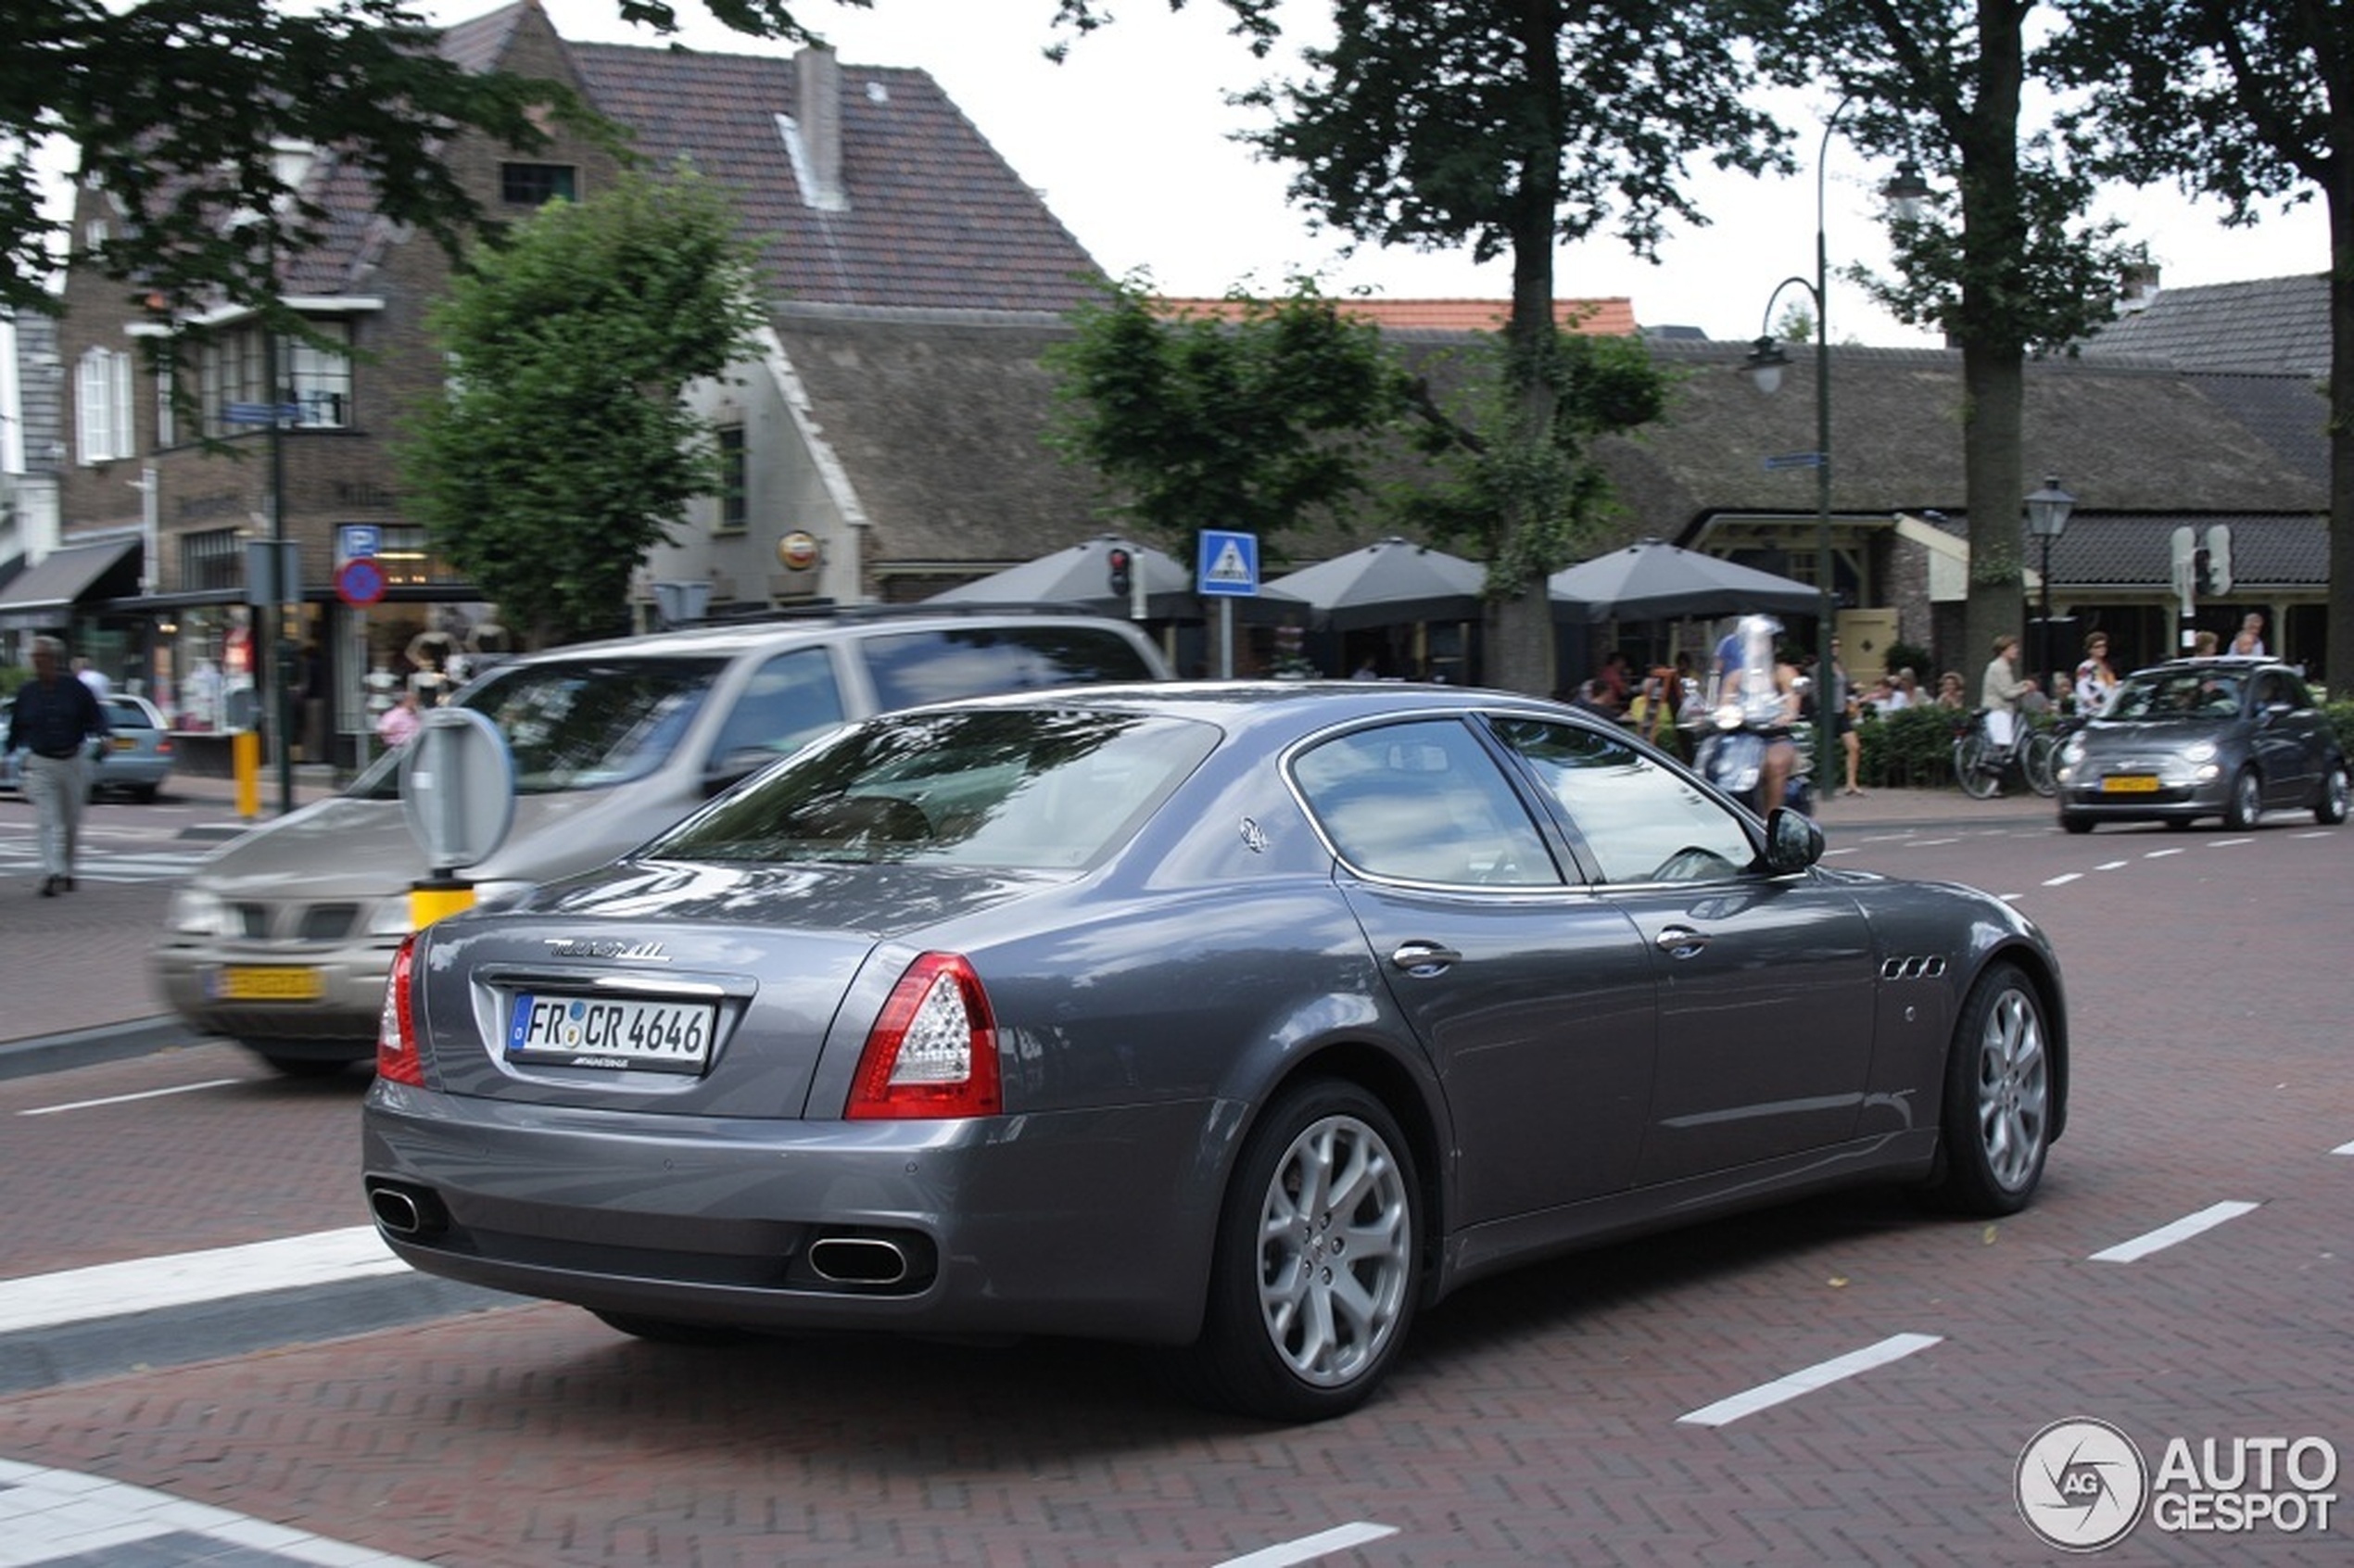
(404, 1211)
(858, 1260)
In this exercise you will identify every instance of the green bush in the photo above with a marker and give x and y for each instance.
(1912, 748)
(2341, 717)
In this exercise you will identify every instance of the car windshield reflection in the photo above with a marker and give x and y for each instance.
(1040, 789)
(2178, 694)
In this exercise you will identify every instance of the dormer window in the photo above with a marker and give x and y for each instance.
(536, 184)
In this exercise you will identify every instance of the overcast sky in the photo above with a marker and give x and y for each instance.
(1128, 141)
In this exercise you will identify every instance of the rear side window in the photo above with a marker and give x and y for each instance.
(791, 698)
(910, 668)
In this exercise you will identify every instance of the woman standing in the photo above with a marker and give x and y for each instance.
(2095, 679)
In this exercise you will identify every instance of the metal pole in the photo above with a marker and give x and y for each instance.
(285, 571)
(1825, 720)
(2044, 642)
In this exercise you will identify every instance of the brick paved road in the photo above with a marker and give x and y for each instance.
(1536, 1417)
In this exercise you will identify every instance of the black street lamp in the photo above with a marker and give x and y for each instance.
(2047, 515)
(1765, 365)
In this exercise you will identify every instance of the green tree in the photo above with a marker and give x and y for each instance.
(562, 449)
(177, 107)
(2004, 261)
(1512, 127)
(2251, 101)
(1252, 420)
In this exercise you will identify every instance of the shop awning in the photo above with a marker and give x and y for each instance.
(43, 597)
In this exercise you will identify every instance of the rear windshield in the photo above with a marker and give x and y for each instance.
(2177, 694)
(578, 723)
(1028, 789)
(912, 668)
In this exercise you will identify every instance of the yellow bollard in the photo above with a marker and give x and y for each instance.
(244, 759)
(438, 896)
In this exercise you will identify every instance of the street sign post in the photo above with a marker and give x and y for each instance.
(1227, 570)
(458, 795)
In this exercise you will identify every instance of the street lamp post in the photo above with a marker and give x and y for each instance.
(1765, 365)
(2047, 515)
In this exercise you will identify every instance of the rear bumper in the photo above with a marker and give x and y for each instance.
(1090, 1223)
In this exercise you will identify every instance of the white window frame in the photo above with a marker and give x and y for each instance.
(103, 426)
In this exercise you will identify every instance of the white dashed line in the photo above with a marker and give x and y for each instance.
(2112, 865)
(1310, 1548)
(1820, 1375)
(2343, 1149)
(2062, 880)
(126, 1099)
(2224, 843)
(2165, 1237)
(2161, 855)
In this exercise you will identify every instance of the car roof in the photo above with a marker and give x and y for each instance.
(1242, 702)
(727, 638)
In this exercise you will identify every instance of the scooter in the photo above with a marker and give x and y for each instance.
(1746, 716)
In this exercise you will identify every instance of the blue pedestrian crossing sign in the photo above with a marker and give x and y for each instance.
(1229, 564)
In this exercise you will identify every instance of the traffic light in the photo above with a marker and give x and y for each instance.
(2219, 559)
(1122, 572)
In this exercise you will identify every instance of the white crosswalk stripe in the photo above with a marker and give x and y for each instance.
(24, 860)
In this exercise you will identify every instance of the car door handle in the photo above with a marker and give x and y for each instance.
(1424, 957)
(1680, 941)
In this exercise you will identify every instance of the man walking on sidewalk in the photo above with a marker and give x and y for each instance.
(55, 719)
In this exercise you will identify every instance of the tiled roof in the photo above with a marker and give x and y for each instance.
(935, 219)
(2270, 324)
(2138, 552)
(1599, 318)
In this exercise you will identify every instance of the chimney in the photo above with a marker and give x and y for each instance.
(2137, 290)
(818, 156)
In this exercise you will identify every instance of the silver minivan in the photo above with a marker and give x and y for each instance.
(281, 939)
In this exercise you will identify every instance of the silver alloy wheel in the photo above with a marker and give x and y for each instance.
(1336, 1233)
(2247, 800)
(2014, 1090)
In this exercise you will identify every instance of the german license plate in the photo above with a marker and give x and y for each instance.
(610, 1031)
(2129, 784)
(268, 982)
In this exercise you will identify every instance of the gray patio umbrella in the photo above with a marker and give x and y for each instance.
(1654, 581)
(1390, 582)
(1081, 576)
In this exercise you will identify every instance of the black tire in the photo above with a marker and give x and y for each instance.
(665, 1330)
(1973, 768)
(146, 793)
(2247, 803)
(2330, 806)
(1309, 1303)
(1995, 1128)
(2075, 822)
(2039, 757)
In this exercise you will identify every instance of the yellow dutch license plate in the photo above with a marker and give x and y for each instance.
(262, 982)
(125, 743)
(2129, 784)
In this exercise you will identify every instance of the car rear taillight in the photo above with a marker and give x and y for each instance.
(396, 1057)
(933, 1051)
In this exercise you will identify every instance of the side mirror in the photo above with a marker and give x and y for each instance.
(1793, 841)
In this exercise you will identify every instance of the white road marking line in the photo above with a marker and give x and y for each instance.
(1821, 1375)
(1310, 1548)
(2062, 880)
(142, 1285)
(2314, 833)
(2220, 843)
(2165, 1237)
(2160, 855)
(2112, 865)
(52, 1515)
(2343, 1149)
(125, 1099)
(1933, 843)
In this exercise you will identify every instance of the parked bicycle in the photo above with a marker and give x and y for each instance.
(1983, 765)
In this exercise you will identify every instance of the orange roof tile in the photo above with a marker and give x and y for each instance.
(1602, 318)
